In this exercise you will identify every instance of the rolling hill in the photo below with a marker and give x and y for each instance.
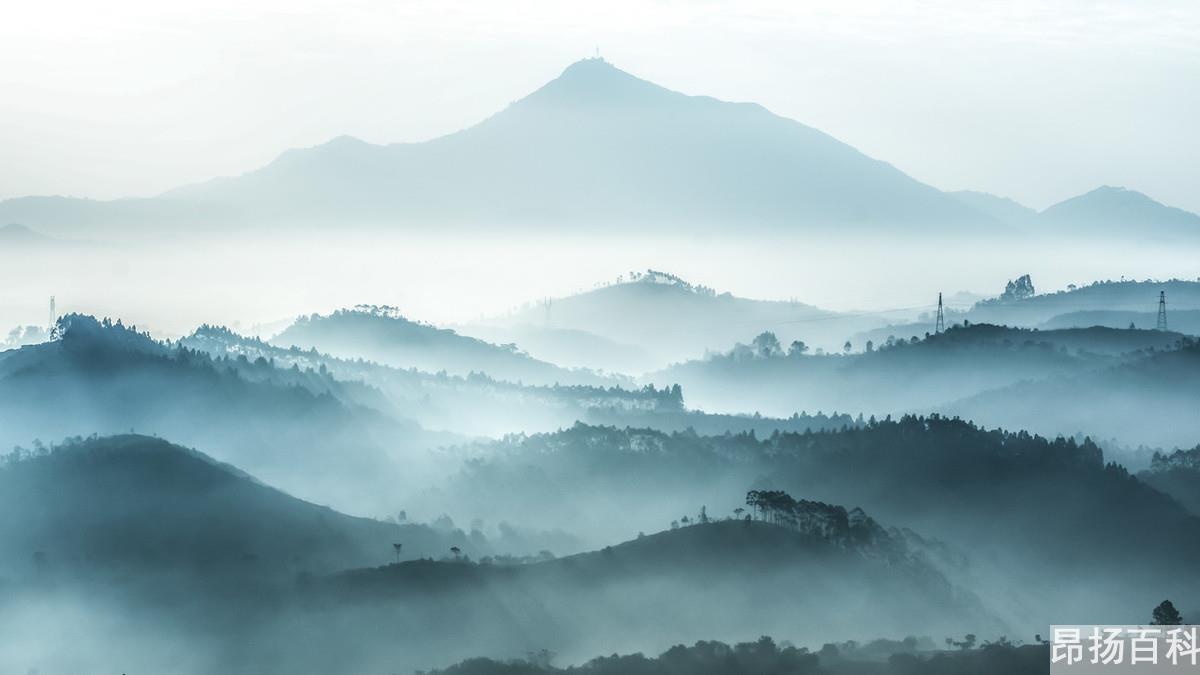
(903, 376)
(665, 586)
(382, 335)
(1114, 304)
(1149, 400)
(136, 504)
(299, 430)
(672, 319)
(986, 494)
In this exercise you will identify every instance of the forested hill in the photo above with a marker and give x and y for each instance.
(295, 429)
(382, 335)
(900, 376)
(662, 583)
(437, 400)
(1151, 400)
(940, 476)
(139, 505)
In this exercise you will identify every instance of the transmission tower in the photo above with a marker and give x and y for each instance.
(940, 326)
(1162, 310)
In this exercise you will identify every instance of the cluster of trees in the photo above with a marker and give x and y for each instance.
(1019, 289)
(656, 277)
(24, 335)
(827, 521)
(764, 655)
(766, 345)
(1180, 459)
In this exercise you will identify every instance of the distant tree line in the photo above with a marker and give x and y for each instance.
(765, 656)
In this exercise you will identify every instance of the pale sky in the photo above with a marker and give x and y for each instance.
(1037, 101)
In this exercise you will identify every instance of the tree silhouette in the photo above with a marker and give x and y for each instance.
(1166, 615)
(456, 551)
(766, 345)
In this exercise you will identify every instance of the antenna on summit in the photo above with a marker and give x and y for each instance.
(940, 326)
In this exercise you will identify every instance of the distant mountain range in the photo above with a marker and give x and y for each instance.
(597, 147)
(1107, 211)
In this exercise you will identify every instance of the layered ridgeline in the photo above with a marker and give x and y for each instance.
(595, 146)
(478, 404)
(938, 371)
(301, 430)
(134, 535)
(1032, 525)
(668, 318)
(383, 335)
(1106, 213)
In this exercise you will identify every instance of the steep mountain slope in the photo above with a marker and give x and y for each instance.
(1117, 210)
(381, 334)
(136, 504)
(1002, 209)
(596, 146)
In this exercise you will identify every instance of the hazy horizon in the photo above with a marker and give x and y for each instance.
(628, 337)
(138, 99)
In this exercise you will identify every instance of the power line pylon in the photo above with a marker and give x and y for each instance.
(1162, 310)
(940, 326)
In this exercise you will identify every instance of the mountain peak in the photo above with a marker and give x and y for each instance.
(594, 80)
(1119, 208)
